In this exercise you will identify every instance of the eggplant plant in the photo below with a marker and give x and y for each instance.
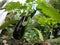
(49, 17)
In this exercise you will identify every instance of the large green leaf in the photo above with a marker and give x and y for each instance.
(49, 11)
(13, 5)
(7, 23)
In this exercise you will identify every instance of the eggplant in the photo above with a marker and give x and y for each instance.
(20, 29)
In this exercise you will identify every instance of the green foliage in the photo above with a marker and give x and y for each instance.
(49, 11)
(29, 1)
(55, 4)
(33, 34)
(38, 1)
(43, 20)
(7, 23)
(17, 5)
(40, 34)
(47, 23)
(13, 5)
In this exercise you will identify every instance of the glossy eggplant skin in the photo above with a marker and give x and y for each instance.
(20, 29)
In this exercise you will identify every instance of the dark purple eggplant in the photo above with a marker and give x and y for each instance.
(20, 29)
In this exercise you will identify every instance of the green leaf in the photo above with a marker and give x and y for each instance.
(13, 5)
(7, 23)
(49, 11)
(23, 7)
(43, 20)
(38, 1)
(39, 33)
(29, 1)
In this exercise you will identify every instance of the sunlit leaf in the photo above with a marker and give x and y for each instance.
(49, 11)
(13, 5)
(38, 1)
